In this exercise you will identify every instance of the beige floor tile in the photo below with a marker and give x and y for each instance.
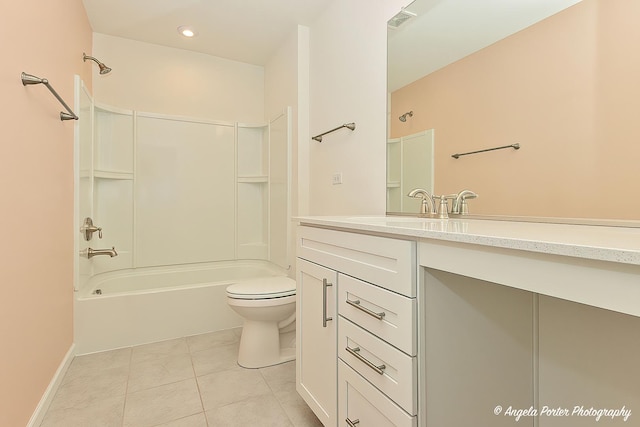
(216, 359)
(263, 411)
(213, 339)
(105, 412)
(96, 362)
(163, 370)
(162, 404)
(197, 420)
(226, 387)
(282, 381)
(90, 387)
(154, 385)
(159, 349)
(279, 377)
(297, 409)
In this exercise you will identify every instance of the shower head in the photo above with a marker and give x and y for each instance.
(103, 68)
(403, 118)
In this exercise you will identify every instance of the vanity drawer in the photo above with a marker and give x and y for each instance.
(386, 367)
(389, 263)
(386, 314)
(364, 406)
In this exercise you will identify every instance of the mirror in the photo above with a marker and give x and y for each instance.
(557, 77)
(409, 166)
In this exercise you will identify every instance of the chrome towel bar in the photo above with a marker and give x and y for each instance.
(351, 126)
(28, 79)
(514, 146)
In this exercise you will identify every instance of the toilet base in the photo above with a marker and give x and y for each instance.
(261, 346)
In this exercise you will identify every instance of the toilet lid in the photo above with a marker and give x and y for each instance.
(263, 288)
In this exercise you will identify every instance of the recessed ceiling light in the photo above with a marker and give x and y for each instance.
(187, 31)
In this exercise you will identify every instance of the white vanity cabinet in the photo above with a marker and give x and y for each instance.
(373, 356)
(469, 321)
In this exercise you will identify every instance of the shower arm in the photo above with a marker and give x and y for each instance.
(28, 79)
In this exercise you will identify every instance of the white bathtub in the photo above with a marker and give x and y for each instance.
(137, 306)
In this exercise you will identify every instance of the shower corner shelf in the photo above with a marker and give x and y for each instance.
(112, 174)
(253, 179)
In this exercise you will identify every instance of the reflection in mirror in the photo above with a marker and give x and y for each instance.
(563, 85)
(409, 166)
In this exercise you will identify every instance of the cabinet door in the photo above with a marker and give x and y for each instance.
(316, 373)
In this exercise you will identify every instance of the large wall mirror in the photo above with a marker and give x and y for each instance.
(558, 77)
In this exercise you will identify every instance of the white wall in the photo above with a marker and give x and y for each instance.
(157, 79)
(287, 84)
(348, 84)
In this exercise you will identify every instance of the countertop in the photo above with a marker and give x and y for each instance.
(605, 243)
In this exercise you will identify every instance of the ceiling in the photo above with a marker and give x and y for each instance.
(248, 31)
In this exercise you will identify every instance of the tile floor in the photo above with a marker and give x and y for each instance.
(187, 382)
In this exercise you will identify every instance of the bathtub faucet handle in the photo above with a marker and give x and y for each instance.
(88, 229)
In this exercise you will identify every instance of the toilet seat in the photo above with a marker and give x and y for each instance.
(263, 288)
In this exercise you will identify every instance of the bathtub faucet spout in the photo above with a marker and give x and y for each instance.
(90, 253)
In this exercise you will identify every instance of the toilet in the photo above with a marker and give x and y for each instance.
(268, 307)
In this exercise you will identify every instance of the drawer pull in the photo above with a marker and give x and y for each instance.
(371, 313)
(355, 352)
(325, 319)
(352, 423)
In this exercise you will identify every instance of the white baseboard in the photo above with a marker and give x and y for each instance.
(50, 392)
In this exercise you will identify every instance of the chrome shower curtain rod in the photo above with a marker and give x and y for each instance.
(28, 79)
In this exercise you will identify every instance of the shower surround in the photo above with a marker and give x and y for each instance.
(174, 194)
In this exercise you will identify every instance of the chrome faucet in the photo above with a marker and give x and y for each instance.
(88, 229)
(460, 202)
(428, 206)
(90, 253)
(443, 211)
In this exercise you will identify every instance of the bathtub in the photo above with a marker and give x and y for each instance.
(136, 306)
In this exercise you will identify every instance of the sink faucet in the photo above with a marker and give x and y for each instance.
(443, 211)
(90, 253)
(460, 202)
(427, 207)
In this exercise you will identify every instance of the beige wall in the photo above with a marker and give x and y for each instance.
(561, 90)
(45, 39)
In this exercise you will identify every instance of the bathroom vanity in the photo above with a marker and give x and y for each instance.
(424, 322)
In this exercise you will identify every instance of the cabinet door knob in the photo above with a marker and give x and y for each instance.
(371, 313)
(352, 423)
(356, 353)
(325, 319)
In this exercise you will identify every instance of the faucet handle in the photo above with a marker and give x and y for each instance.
(427, 206)
(88, 229)
(464, 207)
(460, 203)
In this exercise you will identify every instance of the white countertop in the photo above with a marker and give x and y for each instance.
(606, 243)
